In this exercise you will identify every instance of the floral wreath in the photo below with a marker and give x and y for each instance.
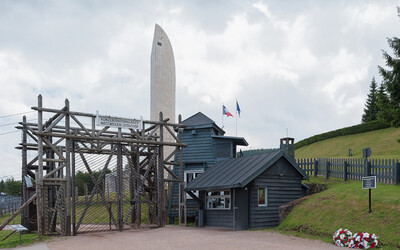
(344, 238)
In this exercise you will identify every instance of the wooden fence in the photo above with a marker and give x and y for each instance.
(385, 170)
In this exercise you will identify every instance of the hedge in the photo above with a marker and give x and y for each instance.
(356, 129)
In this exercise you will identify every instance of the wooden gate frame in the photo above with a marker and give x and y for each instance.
(55, 146)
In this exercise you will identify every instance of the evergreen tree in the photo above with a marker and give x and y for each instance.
(391, 77)
(371, 108)
(384, 107)
(2, 186)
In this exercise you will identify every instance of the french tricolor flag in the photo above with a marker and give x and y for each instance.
(225, 111)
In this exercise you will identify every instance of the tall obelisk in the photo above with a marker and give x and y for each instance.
(162, 85)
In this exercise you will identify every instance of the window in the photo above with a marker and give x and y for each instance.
(218, 199)
(190, 175)
(262, 197)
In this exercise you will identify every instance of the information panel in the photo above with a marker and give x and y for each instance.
(369, 182)
(117, 122)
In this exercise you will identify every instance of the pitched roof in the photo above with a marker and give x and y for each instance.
(200, 120)
(238, 172)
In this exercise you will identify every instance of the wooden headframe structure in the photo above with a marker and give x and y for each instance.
(134, 159)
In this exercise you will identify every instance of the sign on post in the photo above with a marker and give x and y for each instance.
(366, 153)
(118, 122)
(369, 182)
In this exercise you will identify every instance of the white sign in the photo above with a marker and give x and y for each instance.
(369, 182)
(117, 122)
(19, 228)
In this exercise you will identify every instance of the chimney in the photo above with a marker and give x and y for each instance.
(287, 145)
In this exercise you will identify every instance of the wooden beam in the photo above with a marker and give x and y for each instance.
(18, 211)
(148, 142)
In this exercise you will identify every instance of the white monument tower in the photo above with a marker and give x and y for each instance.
(162, 85)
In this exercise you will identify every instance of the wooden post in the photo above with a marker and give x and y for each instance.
(75, 195)
(316, 167)
(67, 172)
(39, 174)
(182, 196)
(160, 171)
(132, 182)
(327, 169)
(138, 200)
(120, 184)
(25, 192)
(367, 168)
(397, 173)
(345, 170)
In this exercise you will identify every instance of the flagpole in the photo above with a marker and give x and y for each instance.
(222, 115)
(236, 116)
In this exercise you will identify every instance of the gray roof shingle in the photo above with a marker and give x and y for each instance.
(238, 172)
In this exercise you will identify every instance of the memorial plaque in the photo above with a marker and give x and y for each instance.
(369, 182)
(118, 122)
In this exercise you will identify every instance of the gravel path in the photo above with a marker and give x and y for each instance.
(175, 237)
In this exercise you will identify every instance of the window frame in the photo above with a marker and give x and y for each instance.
(195, 172)
(224, 197)
(265, 204)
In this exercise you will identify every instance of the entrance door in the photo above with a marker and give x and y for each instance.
(241, 209)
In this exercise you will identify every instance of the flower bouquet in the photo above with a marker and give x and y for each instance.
(342, 237)
(364, 240)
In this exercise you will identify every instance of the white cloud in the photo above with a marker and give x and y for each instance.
(303, 67)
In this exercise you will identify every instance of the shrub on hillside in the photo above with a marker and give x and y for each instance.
(356, 129)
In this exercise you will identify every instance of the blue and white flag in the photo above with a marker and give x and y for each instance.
(237, 108)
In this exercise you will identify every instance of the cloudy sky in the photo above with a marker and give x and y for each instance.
(297, 66)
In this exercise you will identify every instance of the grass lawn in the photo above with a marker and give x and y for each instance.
(383, 143)
(345, 205)
(13, 240)
(98, 213)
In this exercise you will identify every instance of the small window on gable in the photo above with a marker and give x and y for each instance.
(262, 197)
(159, 43)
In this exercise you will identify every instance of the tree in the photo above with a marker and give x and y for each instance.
(11, 187)
(384, 107)
(371, 108)
(2, 186)
(391, 77)
(82, 178)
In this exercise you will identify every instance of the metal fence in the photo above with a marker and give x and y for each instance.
(98, 207)
(385, 170)
(9, 204)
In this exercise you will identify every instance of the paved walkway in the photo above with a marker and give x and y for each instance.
(175, 237)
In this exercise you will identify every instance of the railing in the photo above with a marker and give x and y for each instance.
(385, 170)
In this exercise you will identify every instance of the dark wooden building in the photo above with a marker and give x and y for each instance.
(206, 146)
(245, 193)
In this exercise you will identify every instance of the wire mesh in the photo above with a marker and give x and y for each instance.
(98, 205)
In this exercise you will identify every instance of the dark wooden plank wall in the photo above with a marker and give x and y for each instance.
(218, 218)
(202, 148)
(199, 147)
(281, 189)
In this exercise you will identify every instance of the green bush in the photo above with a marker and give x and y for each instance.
(356, 129)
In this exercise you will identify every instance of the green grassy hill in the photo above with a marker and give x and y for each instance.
(345, 205)
(384, 143)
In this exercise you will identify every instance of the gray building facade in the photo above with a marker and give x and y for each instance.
(245, 193)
